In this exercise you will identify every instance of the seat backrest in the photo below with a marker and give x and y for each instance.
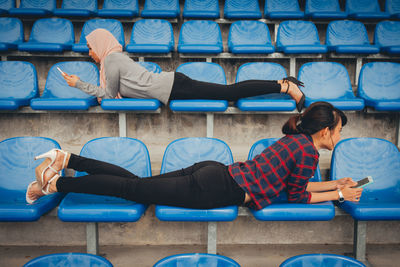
(151, 66)
(203, 71)
(357, 6)
(346, 32)
(327, 80)
(387, 33)
(200, 32)
(361, 157)
(184, 152)
(196, 259)
(69, 259)
(112, 25)
(260, 71)
(379, 81)
(53, 30)
(241, 6)
(40, 4)
(249, 32)
(7, 4)
(392, 6)
(57, 87)
(160, 5)
(121, 4)
(201, 5)
(90, 5)
(297, 32)
(281, 5)
(125, 152)
(11, 30)
(18, 80)
(322, 5)
(319, 260)
(152, 31)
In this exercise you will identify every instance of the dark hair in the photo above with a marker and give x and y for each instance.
(317, 116)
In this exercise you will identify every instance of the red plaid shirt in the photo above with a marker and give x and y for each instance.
(284, 167)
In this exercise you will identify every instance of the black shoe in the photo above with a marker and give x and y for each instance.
(300, 104)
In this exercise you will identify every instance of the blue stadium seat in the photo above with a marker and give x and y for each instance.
(18, 84)
(196, 259)
(361, 157)
(387, 36)
(200, 36)
(247, 36)
(284, 211)
(283, 9)
(269, 102)
(6, 5)
(299, 37)
(330, 82)
(151, 36)
(206, 72)
(77, 8)
(324, 9)
(50, 35)
(17, 171)
(365, 9)
(161, 9)
(57, 95)
(379, 85)
(184, 152)
(39, 8)
(11, 33)
(112, 25)
(393, 8)
(208, 9)
(346, 36)
(69, 259)
(119, 8)
(242, 9)
(321, 260)
(126, 152)
(131, 103)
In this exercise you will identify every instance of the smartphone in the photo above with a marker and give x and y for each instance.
(364, 182)
(63, 73)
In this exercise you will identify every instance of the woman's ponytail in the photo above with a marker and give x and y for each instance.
(290, 127)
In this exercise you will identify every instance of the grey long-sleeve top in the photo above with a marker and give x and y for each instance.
(131, 80)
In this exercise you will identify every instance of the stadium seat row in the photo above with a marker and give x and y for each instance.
(202, 36)
(233, 9)
(378, 87)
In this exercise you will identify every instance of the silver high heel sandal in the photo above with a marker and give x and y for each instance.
(52, 154)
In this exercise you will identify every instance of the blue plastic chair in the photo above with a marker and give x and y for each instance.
(50, 35)
(196, 259)
(208, 9)
(126, 152)
(324, 9)
(6, 5)
(365, 9)
(299, 37)
(379, 85)
(17, 171)
(11, 33)
(200, 36)
(284, 211)
(283, 9)
(112, 25)
(269, 102)
(387, 36)
(321, 260)
(69, 259)
(77, 8)
(18, 84)
(184, 152)
(330, 82)
(393, 8)
(34, 8)
(242, 9)
(57, 95)
(346, 36)
(205, 72)
(161, 9)
(131, 103)
(250, 37)
(119, 8)
(151, 36)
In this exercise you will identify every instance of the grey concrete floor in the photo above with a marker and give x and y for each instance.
(245, 255)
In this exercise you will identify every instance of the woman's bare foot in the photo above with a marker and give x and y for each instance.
(49, 173)
(35, 191)
(291, 89)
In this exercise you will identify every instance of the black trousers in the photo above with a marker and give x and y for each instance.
(187, 88)
(204, 185)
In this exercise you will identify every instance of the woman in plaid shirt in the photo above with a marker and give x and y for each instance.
(284, 167)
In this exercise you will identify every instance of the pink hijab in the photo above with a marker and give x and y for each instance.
(103, 43)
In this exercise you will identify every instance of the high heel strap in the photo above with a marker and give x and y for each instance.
(294, 80)
(45, 189)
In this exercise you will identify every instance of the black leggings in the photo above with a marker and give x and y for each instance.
(187, 88)
(204, 185)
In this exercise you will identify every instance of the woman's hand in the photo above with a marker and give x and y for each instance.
(70, 79)
(347, 181)
(351, 194)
